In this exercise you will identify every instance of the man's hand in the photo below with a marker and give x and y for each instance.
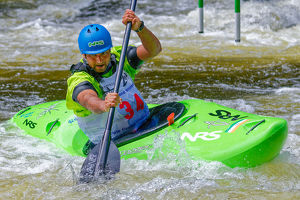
(129, 16)
(150, 44)
(112, 100)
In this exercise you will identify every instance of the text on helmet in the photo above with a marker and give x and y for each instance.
(95, 43)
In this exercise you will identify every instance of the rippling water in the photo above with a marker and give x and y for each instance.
(259, 75)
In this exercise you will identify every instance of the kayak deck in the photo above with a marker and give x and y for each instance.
(157, 120)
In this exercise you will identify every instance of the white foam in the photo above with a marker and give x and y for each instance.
(238, 104)
(29, 155)
(287, 90)
(292, 146)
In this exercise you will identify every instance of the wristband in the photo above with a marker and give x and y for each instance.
(140, 28)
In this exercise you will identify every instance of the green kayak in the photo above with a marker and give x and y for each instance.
(209, 131)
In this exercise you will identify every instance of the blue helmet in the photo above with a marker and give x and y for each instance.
(94, 39)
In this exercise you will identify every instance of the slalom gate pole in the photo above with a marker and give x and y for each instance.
(237, 21)
(201, 14)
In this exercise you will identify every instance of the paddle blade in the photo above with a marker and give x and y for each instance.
(87, 173)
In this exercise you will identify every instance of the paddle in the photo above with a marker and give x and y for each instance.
(104, 158)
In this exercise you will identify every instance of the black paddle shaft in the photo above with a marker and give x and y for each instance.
(106, 140)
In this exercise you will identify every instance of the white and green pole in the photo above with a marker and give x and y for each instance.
(200, 5)
(237, 21)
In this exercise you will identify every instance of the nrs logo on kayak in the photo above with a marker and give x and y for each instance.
(207, 136)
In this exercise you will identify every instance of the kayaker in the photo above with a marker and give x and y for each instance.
(91, 84)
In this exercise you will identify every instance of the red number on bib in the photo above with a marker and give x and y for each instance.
(128, 109)
(139, 102)
(139, 106)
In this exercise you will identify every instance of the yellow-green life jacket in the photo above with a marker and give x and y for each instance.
(81, 72)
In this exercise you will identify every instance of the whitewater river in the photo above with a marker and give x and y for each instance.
(261, 75)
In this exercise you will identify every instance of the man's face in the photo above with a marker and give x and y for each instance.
(98, 62)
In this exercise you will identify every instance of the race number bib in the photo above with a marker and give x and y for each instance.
(133, 111)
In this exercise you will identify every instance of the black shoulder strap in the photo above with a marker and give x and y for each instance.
(78, 67)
